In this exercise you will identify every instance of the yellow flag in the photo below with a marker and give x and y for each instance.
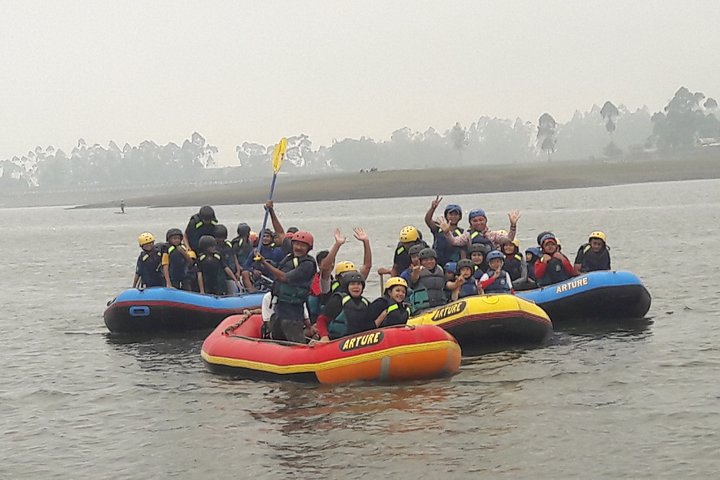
(279, 154)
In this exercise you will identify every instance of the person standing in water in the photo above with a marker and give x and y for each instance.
(122, 206)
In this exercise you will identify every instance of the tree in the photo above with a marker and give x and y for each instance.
(459, 140)
(609, 113)
(547, 134)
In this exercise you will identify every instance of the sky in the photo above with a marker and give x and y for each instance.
(239, 71)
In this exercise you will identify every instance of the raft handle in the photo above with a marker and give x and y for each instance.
(137, 311)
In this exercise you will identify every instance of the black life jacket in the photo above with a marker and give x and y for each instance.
(477, 237)
(513, 265)
(178, 265)
(197, 228)
(397, 313)
(446, 251)
(213, 269)
(593, 261)
(434, 283)
(150, 267)
(468, 288)
(351, 319)
(554, 273)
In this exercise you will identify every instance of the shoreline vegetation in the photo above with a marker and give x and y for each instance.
(394, 183)
(431, 181)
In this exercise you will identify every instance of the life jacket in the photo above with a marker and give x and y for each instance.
(513, 265)
(500, 285)
(226, 249)
(213, 269)
(478, 237)
(177, 266)
(242, 248)
(479, 270)
(197, 228)
(593, 261)
(446, 251)
(397, 313)
(352, 316)
(531, 270)
(149, 267)
(402, 257)
(295, 293)
(429, 291)
(468, 288)
(554, 273)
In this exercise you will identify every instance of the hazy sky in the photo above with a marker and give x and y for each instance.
(255, 71)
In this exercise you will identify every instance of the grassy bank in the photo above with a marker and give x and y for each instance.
(408, 183)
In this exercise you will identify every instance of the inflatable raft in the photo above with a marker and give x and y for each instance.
(171, 310)
(387, 355)
(598, 295)
(483, 321)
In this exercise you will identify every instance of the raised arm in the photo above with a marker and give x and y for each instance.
(327, 263)
(459, 241)
(360, 234)
(430, 212)
(277, 226)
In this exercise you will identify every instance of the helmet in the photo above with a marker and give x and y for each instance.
(207, 213)
(516, 242)
(599, 235)
(350, 277)
(495, 255)
(268, 231)
(546, 237)
(534, 251)
(453, 208)
(292, 230)
(343, 267)
(478, 212)
(171, 233)
(541, 235)
(220, 231)
(243, 229)
(205, 242)
(409, 234)
(303, 237)
(145, 238)
(450, 266)
(478, 247)
(464, 263)
(394, 282)
(502, 233)
(415, 249)
(427, 253)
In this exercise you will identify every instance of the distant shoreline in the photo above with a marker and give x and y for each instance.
(412, 183)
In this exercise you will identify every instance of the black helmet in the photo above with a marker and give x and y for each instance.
(542, 234)
(292, 230)
(205, 242)
(207, 213)
(350, 277)
(427, 253)
(220, 231)
(243, 229)
(172, 232)
(415, 249)
(478, 247)
(464, 263)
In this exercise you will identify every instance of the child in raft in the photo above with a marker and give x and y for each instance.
(212, 270)
(496, 280)
(148, 269)
(390, 309)
(176, 260)
(346, 311)
(464, 284)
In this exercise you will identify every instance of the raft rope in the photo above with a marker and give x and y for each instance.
(243, 316)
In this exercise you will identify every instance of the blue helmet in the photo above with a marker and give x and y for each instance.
(453, 208)
(534, 251)
(478, 212)
(450, 266)
(495, 255)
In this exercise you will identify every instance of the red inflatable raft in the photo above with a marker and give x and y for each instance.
(387, 355)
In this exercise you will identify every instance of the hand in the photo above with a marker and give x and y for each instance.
(324, 339)
(436, 203)
(269, 205)
(496, 273)
(416, 268)
(360, 234)
(442, 224)
(384, 271)
(558, 255)
(257, 257)
(340, 239)
(545, 258)
(514, 216)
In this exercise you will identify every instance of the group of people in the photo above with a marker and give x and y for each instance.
(319, 297)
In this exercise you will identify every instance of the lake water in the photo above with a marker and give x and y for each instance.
(596, 402)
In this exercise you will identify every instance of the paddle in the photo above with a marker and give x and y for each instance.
(277, 159)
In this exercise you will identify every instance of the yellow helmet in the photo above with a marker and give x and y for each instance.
(409, 234)
(516, 242)
(502, 233)
(598, 234)
(145, 238)
(394, 282)
(343, 267)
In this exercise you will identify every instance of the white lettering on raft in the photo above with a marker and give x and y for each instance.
(571, 284)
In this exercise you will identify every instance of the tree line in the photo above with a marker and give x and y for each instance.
(688, 121)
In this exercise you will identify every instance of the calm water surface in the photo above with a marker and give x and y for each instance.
(637, 401)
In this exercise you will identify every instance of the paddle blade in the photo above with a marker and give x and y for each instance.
(279, 154)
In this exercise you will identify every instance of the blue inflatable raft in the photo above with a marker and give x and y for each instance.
(602, 295)
(171, 310)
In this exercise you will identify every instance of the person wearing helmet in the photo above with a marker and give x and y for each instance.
(202, 223)
(148, 269)
(479, 231)
(175, 261)
(428, 281)
(496, 280)
(390, 309)
(450, 269)
(329, 283)
(514, 263)
(346, 311)
(212, 270)
(225, 249)
(464, 284)
(532, 255)
(453, 215)
(476, 252)
(252, 271)
(553, 266)
(409, 236)
(594, 255)
(414, 253)
(293, 278)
